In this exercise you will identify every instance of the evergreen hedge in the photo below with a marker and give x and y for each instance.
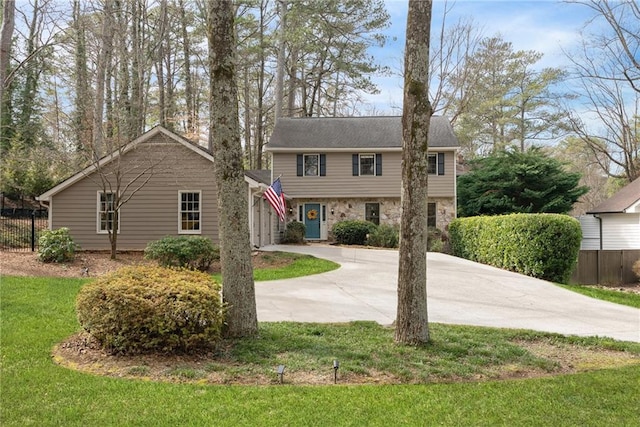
(545, 246)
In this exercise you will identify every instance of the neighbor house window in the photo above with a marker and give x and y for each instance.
(367, 164)
(107, 212)
(435, 164)
(431, 215)
(190, 208)
(372, 212)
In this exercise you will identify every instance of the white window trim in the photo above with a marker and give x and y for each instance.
(372, 155)
(304, 164)
(180, 230)
(98, 211)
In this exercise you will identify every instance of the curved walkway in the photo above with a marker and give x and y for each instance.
(458, 292)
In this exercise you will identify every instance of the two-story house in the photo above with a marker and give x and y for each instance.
(334, 169)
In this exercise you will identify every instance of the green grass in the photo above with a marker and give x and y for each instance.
(618, 297)
(37, 313)
(302, 265)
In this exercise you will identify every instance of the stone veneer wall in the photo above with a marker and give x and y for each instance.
(390, 210)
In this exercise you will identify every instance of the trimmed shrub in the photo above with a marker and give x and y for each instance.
(56, 246)
(152, 309)
(437, 240)
(294, 233)
(545, 246)
(353, 232)
(192, 252)
(385, 236)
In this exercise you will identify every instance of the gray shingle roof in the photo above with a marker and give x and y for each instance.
(259, 175)
(622, 200)
(373, 132)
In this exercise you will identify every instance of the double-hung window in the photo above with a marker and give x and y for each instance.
(190, 210)
(435, 164)
(311, 165)
(107, 212)
(367, 164)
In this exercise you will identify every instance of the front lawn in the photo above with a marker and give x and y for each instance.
(38, 313)
(611, 295)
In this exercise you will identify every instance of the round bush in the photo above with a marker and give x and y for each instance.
(353, 232)
(56, 246)
(192, 252)
(636, 269)
(152, 309)
(294, 233)
(386, 236)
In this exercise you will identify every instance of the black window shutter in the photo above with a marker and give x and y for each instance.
(378, 164)
(440, 163)
(323, 164)
(299, 165)
(355, 160)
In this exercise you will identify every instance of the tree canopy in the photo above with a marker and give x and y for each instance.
(517, 182)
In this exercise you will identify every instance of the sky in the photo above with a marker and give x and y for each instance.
(546, 26)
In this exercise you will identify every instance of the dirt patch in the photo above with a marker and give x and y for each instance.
(81, 352)
(97, 263)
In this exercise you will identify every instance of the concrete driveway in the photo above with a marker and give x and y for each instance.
(458, 292)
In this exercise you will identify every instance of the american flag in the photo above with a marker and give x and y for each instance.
(275, 197)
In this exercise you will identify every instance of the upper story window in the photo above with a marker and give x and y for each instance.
(367, 164)
(107, 212)
(311, 164)
(190, 209)
(435, 165)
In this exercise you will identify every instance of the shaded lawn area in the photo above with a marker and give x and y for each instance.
(38, 313)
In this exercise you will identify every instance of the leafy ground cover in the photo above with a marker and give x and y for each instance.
(38, 313)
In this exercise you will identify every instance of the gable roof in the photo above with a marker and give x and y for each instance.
(127, 147)
(261, 176)
(340, 133)
(620, 202)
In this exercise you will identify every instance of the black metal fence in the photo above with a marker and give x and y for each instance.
(20, 228)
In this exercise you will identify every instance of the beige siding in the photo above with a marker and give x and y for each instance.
(153, 211)
(340, 183)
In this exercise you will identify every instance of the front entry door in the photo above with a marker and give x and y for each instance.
(312, 220)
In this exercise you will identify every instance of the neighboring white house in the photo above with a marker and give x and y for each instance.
(615, 223)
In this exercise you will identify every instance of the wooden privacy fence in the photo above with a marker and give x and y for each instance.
(605, 267)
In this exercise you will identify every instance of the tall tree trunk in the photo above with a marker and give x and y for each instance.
(191, 126)
(259, 137)
(281, 63)
(224, 137)
(82, 104)
(412, 324)
(6, 36)
(106, 40)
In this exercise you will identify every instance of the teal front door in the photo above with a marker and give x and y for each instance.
(312, 220)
